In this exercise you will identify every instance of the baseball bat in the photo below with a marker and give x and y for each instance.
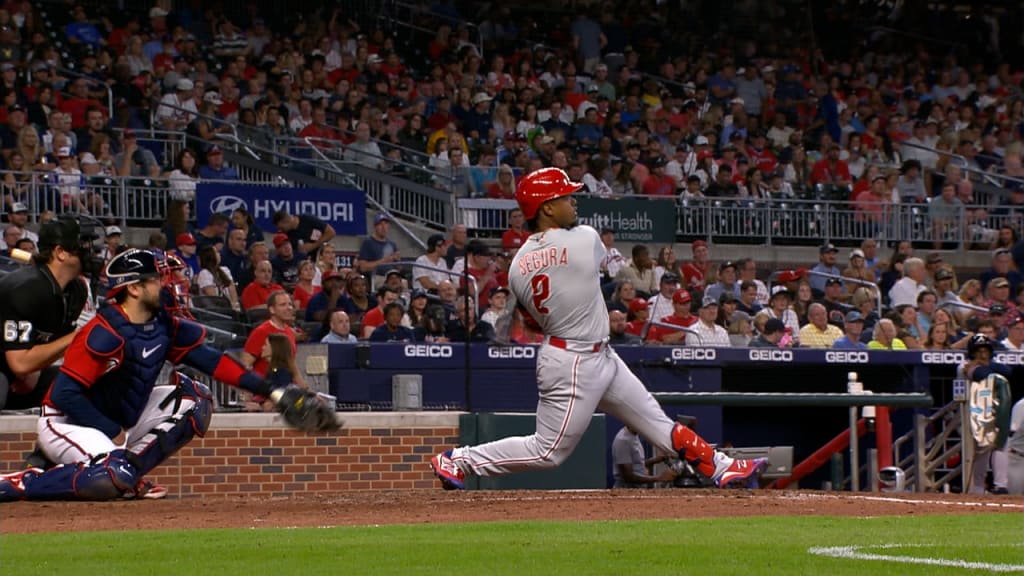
(20, 255)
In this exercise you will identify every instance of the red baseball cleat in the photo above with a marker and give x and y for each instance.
(451, 476)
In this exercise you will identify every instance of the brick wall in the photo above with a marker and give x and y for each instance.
(255, 454)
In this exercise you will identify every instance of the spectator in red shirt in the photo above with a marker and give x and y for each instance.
(681, 316)
(658, 183)
(282, 314)
(517, 233)
(830, 170)
(79, 103)
(319, 130)
(697, 273)
(505, 186)
(759, 154)
(639, 310)
(256, 294)
(481, 266)
(375, 316)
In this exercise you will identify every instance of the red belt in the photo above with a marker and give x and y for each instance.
(564, 344)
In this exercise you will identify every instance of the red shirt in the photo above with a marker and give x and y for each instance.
(255, 295)
(635, 327)
(695, 275)
(512, 240)
(763, 159)
(663, 185)
(258, 337)
(485, 290)
(823, 172)
(302, 297)
(76, 107)
(495, 191)
(374, 317)
(657, 333)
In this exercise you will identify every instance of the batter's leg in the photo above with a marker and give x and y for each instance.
(629, 400)
(570, 386)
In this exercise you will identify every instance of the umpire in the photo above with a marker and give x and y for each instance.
(39, 304)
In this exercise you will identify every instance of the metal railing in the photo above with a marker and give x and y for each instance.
(419, 18)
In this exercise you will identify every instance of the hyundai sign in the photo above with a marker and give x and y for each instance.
(343, 209)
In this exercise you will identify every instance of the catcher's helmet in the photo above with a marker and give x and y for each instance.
(129, 267)
(542, 185)
(977, 342)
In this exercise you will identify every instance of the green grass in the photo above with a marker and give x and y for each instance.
(745, 546)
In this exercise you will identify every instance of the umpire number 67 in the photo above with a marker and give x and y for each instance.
(17, 331)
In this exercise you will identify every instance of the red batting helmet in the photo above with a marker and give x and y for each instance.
(542, 185)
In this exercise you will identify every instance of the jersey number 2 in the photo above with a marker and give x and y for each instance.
(17, 331)
(541, 285)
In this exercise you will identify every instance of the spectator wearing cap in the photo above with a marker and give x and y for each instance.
(1014, 340)
(479, 263)
(135, 160)
(1002, 267)
(640, 272)
(112, 243)
(698, 272)
(906, 289)
(780, 308)
(708, 331)
(637, 315)
(681, 315)
(726, 281)
(858, 270)
(853, 328)
(751, 89)
(998, 300)
(826, 265)
(10, 132)
(834, 301)
(215, 168)
(943, 287)
(391, 329)
(331, 296)
(818, 333)
(187, 250)
(18, 216)
(497, 307)
(364, 150)
(177, 109)
(770, 335)
(286, 261)
(377, 249)
(431, 268)
(476, 123)
(617, 334)
(661, 303)
(306, 232)
(884, 337)
(613, 260)
(658, 183)
(830, 171)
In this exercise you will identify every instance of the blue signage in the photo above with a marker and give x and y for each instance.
(343, 209)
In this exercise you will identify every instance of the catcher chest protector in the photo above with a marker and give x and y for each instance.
(990, 404)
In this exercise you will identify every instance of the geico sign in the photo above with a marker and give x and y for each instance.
(503, 352)
(843, 357)
(694, 354)
(1010, 358)
(770, 355)
(942, 357)
(428, 351)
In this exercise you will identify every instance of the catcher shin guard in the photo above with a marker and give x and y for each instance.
(191, 413)
(105, 477)
(694, 450)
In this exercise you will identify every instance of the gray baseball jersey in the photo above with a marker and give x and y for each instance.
(559, 270)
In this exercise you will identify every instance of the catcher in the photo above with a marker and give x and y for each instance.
(107, 423)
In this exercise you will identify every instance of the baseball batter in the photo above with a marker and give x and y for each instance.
(555, 278)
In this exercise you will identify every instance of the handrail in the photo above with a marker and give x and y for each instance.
(456, 22)
(858, 281)
(982, 174)
(684, 329)
(93, 81)
(213, 119)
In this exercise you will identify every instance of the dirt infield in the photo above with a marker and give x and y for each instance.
(415, 507)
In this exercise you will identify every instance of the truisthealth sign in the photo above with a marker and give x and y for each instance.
(634, 219)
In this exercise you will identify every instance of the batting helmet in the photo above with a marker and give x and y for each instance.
(542, 185)
(129, 267)
(977, 342)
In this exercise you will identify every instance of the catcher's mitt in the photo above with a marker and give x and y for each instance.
(305, 410)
